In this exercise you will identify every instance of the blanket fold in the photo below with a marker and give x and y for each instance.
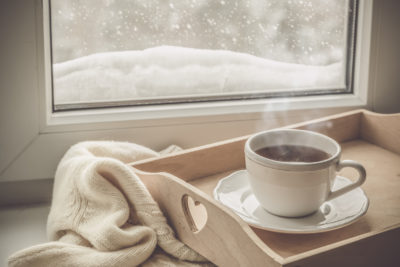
(103, 215)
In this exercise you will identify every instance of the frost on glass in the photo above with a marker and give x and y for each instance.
(146, 49)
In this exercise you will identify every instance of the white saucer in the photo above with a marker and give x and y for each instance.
(234, 192)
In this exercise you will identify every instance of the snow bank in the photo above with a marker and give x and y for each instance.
(177, 71)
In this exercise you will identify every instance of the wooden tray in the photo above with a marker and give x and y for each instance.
(184, 192)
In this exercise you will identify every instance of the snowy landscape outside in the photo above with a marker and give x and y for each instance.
(118, 50)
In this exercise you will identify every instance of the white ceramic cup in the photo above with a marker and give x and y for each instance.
(294, 189)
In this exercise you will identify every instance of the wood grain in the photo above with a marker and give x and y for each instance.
(382, 188)
(227, 155)
(371, 139)
(382, 130)
(215, 240)
(199, 162)
(342, 127)
(366, 251)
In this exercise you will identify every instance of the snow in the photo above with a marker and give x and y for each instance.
(177, 71)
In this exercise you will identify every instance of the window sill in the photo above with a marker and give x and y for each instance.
(21, 227)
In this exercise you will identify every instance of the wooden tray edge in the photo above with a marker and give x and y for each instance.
(221, 156)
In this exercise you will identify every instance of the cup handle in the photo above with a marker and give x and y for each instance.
(361, 178)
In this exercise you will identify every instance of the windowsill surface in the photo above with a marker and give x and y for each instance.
(21, 227)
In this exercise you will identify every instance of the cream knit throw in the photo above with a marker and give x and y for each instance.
(103, 215)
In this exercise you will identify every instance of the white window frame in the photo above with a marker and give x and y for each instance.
(172, 111)
(158, 126)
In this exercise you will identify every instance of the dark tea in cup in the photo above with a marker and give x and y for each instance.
(293, 153)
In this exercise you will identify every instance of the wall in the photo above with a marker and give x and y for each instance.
(385, 61)
(18, 71)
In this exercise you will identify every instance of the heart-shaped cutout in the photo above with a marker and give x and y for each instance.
(195, 213)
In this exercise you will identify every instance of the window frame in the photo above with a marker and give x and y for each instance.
(130, 114)
(158, 126)
(349, 51)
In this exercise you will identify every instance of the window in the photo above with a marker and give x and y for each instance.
(123, 52)
(31, 126)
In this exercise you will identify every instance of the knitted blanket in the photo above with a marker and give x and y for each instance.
(102, 214)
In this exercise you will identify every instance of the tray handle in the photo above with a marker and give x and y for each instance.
(207, 226)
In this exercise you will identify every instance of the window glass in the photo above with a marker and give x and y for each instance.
(133, 52)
